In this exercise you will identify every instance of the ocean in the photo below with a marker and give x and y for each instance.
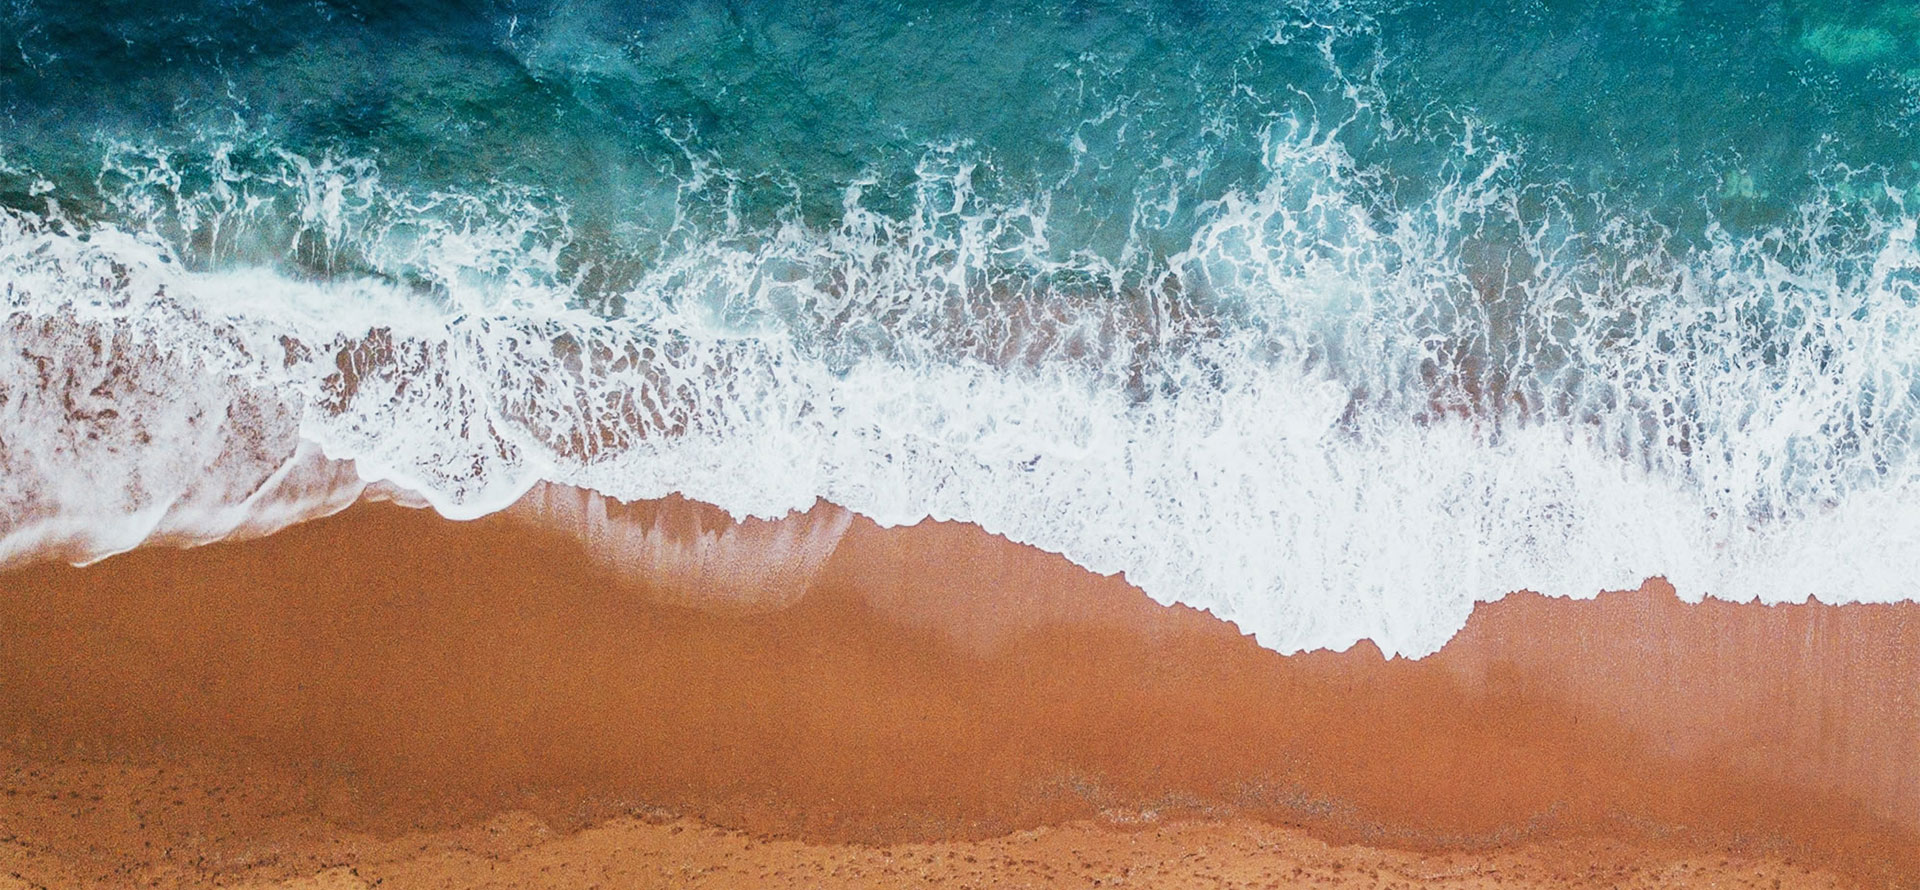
(1332, 318)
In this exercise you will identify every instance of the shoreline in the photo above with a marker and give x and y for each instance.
(388, 672)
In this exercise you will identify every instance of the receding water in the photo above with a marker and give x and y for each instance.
(1330, 317)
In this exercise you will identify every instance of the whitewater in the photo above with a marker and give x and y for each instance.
(1328, 407)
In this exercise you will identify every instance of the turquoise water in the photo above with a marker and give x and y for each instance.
(1330, 316)
(1679, 110)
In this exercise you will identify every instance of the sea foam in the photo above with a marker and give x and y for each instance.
(1328, 417)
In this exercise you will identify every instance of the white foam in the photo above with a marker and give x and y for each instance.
(692, 554)
(1277, 425)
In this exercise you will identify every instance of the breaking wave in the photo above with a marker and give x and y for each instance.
(1313, 399)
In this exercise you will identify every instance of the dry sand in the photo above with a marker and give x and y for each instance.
(293, 851)
(387, 696)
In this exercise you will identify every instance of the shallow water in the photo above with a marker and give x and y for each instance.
(1331, 318)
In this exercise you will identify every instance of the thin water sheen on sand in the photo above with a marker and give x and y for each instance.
(388, 671)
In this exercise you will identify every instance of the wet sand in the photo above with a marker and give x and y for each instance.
(383, 690)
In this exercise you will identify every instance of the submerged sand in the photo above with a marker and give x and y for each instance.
(384, 695)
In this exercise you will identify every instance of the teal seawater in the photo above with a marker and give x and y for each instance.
(1330, 316)
(1684, 112)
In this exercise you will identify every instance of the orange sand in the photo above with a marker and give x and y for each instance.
(384, 689)
(293, 850)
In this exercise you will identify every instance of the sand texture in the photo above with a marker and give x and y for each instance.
(386, 696)
(656, 850)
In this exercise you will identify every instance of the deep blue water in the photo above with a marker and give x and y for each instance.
(1688, 113)
(1241, 298)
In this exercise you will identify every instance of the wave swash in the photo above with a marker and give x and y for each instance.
(1268, 333)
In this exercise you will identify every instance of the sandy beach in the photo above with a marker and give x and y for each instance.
(869, 443)
(386, 697)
